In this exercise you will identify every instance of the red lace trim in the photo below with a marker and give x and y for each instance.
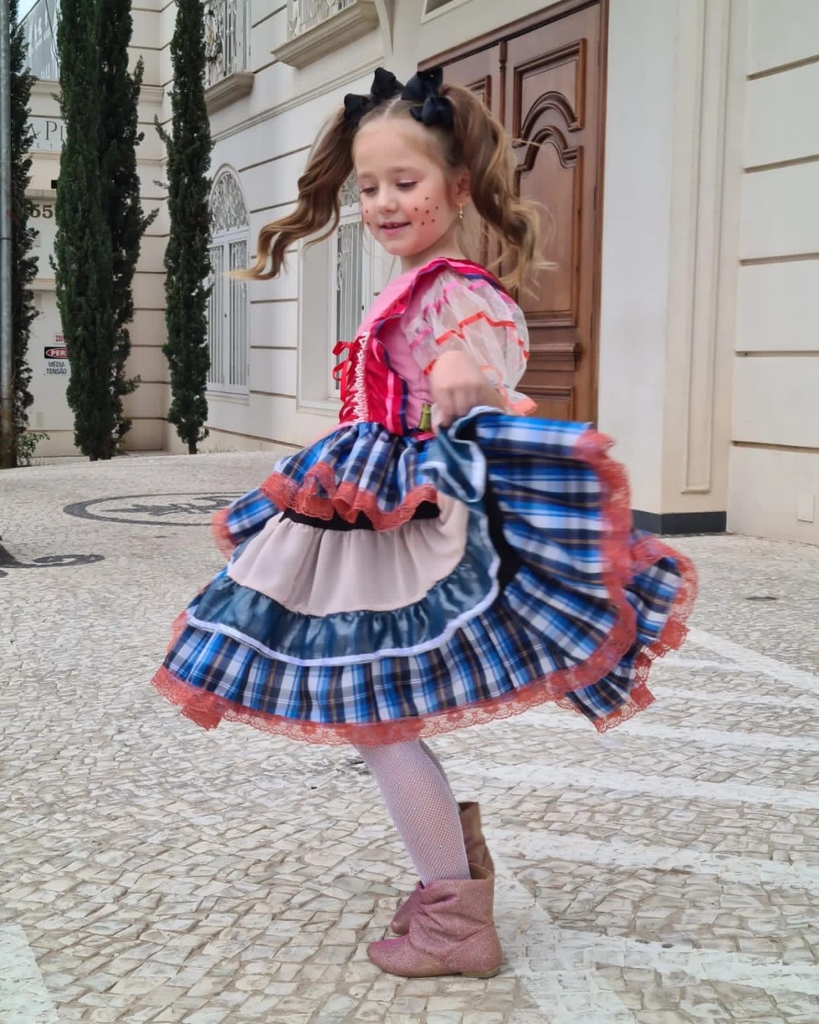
(207, 710)
(221, 533)
(622, 560)
(625, 559)
(346, 499)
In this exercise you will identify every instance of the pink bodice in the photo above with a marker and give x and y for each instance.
(446, 304)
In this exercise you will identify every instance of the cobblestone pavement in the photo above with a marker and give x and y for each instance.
(151, 871)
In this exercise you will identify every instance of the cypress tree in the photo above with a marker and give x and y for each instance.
(187, 259)
(23, 236)
(83, 262)
(119, 137)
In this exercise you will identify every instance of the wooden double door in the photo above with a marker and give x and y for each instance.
(544, 79)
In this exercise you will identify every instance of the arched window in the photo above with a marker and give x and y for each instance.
(352, 271)
(228, 302)
(338, 282)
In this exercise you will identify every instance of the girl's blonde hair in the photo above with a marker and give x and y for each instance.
(476, 143)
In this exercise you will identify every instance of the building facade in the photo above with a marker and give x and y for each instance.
(671, 144)
(50, 412)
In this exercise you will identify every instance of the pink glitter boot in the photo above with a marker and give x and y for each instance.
(451, 932)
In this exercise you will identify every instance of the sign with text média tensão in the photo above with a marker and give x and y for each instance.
(56, 357)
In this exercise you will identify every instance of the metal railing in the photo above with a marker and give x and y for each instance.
(227, 38)
(302, 15)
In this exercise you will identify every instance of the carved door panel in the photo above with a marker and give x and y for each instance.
(481, 73)
(544, 82)
(551, 108)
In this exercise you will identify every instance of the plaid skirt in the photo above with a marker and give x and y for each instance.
(532, 588)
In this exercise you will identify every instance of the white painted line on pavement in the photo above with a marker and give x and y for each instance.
(668, 694)
(551, 776)
(564, 993)
(644, 726)
(24, 998)
(718, 737)
(559, 966)
(752, 661)
(538, 846)
(680, 661)
(760, 972)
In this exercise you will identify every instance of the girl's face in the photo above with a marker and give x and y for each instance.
(408, 200)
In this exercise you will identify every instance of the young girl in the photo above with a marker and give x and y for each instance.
(438, 560)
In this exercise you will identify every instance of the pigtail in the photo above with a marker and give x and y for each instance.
(329, 166)
(482, 147)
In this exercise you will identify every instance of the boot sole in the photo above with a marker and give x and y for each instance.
(493, 972)
(477, 975)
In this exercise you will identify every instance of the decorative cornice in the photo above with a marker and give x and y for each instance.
(298, 100)
(45, 87)
(152, 94)
(228, 90)
(330, 35)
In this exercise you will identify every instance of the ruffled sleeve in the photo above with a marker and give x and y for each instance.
(457, 313)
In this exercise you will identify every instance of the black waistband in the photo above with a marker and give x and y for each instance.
(426, 510)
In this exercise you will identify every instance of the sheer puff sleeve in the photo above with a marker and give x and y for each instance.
(456, 313)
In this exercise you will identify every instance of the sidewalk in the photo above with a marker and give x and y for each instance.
(151, 871)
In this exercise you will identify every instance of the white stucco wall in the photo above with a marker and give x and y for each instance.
(669, 241)
(636, 239)
(775, 430)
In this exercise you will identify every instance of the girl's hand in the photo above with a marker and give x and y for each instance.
(458, 385)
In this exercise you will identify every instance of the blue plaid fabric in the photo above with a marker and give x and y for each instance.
(365, 455)
(552, 616)
(248, 514)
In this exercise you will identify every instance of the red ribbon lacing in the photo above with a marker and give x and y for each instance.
(344, 375)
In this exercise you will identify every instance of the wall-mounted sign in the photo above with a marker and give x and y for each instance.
(49, 134)
(56, 357)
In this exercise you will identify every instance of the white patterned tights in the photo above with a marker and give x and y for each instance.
(422, 807)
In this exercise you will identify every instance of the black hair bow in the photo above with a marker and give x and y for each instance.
(430, 108)
(385, 86)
